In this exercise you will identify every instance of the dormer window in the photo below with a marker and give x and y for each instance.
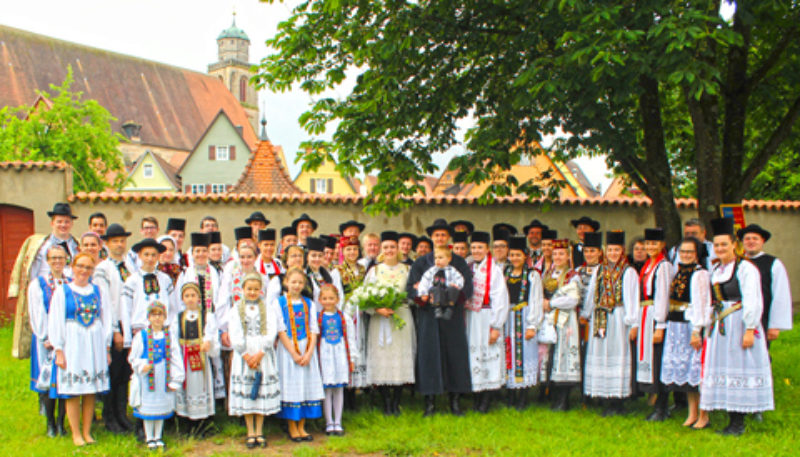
(222, 153)
(147, 171)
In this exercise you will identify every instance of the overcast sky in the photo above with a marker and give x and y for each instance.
(183, 33)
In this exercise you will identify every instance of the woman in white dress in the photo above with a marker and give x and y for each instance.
(79, 328)
(737, 375)
(390, 351)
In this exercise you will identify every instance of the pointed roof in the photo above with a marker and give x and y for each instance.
(265, 173)
(220, 114)
(167, 169)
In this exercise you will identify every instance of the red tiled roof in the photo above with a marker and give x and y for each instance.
(265, 174)
(20, 165)
(778, 205)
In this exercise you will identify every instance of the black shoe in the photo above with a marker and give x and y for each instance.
(397, 393)
(60, 428)
(121, 410)
(52, 431)
(485, 402)
(251, 442)
(561, 402)
(659, 415)
(430, 406)
(609, 409)
(736, 425)
(455, 406)
(522, 399)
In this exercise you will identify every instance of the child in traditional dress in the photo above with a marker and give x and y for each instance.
(197, 334)
(298, 330)
(255, 386)
(441, 284)
(157, 373)
(336, 363)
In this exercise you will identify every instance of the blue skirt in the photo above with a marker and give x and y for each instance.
(301, 410)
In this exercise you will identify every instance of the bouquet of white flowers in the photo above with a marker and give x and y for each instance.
(373, 296)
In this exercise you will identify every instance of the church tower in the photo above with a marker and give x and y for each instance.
(233, 69)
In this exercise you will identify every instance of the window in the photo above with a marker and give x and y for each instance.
(321, 186)
(222, 153)
(218, 188)
(198, 188)
(243, 89)
(148, 170)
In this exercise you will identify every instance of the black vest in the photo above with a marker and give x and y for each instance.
(192, 327)
(728, 290)
(764, 264)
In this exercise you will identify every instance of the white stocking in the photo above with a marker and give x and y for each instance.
(327, 406)
(158, 426)
(149, 430)
(338, 403)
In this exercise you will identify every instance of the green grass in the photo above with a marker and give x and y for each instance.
(536, 431)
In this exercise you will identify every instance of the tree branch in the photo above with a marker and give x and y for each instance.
(769, 62)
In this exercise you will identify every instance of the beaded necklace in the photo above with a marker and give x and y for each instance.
(151, 380)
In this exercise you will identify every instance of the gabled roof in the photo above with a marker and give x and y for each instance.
(221, 113)
(265, 173)
(167, 169)
(173, 105)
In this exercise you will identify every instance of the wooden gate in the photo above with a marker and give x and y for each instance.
(16, 224)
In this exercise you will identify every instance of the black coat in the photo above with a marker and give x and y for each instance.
(442, 351)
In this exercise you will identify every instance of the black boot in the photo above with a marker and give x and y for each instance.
(736, 425)
(430, 406)
(350, 399)
(397, 393)
(660, 414)
(522, 399)
(387, 400)
(484, 402)
(50, 414)
(62, 414)
(455, 405)
(121, 409)
(561, 399)
(109, 418)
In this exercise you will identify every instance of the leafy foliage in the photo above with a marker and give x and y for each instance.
(65, 127)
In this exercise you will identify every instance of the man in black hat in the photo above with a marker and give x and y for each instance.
(176, 228)
(351, 229)
(442, 350)
(582, 226)
(500, 236)
(533, 232)
(209, 224)
(405, 245)
(461, 245)
(775, 291)
(257, 222)
(695, 228)
(110, 275)
(305, 227)
(422, 246)
(216, 251)
(463, 226)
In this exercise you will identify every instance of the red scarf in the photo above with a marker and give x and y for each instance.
(486, 297)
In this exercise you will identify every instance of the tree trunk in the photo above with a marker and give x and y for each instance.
(708, 160)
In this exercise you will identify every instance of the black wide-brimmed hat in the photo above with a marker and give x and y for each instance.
(517, 243)
(480, 237)
(439, 224)
(586, 220)
(534, 224)
(615, 238)
(470, 226)
(315, 244)
(61, 209)
(498, 229)
(115, 231)
(200, 239)
(389, 235)
(410, 236)
(215, 238)
(722, 226)
(266, 235)
(351, 223)
(549, 234)
(257, 216)
(242, 233)
(176, 224)
(655, 234)
(286, 231)
(149, 243)
(593, 240)
(754, 228)
(460, 237)
(304, 217)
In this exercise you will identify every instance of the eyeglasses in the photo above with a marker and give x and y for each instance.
(83, 267)
(149, 227)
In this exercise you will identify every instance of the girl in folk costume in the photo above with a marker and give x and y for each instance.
(196, 329)
(157, 373)
(335, 357)
(255, 387)
(317, 274)
(298, 330)
(612, 308)
(266, 263)
(562, 294)
(545, 261)
(349, 272)
(79, 328)
(216, 251)
(487, 311)
(40, 294)
(390, 351)
(293, 257)
(689, 313)
(206, 276)
(166, 259)
(524, 319)
(655, 278)
(144, 287)
(592, 254)
(737, 375)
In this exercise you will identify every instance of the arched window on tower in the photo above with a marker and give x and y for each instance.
(243, 89)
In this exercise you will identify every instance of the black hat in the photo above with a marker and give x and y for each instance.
(722, 226)
(480, 237)
(149, 243)
(315, 244)
(656, 234)
(534, 224)
(214, 238)
(330, 241)
(61, 209)
(351, 223)
(241, 233)
(257, 216)
(176, 224)
(593, 240)
(498, 229)
(115, 231)
(304, 217)
(615, 238)
(410, 236)
(423, 239)
(439, 224)
(586, 220)
(389, 235)
(286, 231)
(549, 234)
(518, 243)
(460, 237)
(470, 226)
(200, 239)
(266, 235)
(754, 228)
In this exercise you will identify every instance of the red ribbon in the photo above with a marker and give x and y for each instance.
(486, 297)
(641, 333)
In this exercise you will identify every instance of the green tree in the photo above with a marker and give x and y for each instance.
(65, 127)
(678, 99)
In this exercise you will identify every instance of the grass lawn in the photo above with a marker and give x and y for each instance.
(536, 431)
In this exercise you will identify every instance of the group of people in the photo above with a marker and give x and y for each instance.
(272, 326)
